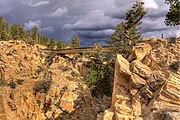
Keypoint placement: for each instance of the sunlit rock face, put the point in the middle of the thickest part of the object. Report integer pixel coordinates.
(147, 85)
(30, 89)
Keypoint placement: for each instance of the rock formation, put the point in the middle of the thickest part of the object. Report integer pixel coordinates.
(36, 86)
(30, 89)
(147, 86)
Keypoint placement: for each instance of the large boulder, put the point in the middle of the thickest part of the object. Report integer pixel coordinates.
(140, 69)
(140, 51)
(137, 81)
(123, 65)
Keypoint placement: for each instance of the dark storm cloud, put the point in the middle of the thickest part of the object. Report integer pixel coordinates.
(92, 20)
(153, 24)
(96, 34)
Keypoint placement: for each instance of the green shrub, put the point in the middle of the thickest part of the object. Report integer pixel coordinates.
(49, 58)
(69, 78)
(172, 40)
(65, 68)
(12, 85)
(98, 76)
(163, 63)
(175, 66)
(31, 42)
(2, 83)
(42, 86)
(74, 74)
(19, 81)
(16, 37)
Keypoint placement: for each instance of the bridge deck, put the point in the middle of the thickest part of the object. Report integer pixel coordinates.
(74, 51)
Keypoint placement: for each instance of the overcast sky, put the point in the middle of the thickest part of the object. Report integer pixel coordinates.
(92, 20)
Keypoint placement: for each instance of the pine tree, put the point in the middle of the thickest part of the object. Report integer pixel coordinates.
(52, 43)
(172, 17)
(13, 31)
(35, 34)
(128, 33)
(4, 33)
(17, 31)
(60, 45)
(21, 32)
(76, 42)
(45, 40)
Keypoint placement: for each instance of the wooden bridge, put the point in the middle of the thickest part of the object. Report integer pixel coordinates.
(75, 50)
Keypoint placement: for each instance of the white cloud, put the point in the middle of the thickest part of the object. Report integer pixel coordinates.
(49, 29)
(31, 24)
(59, 12)
(151, 4)
(38, 23)
(171, 32)
(40, 3)
(178, 32)
(155, 24)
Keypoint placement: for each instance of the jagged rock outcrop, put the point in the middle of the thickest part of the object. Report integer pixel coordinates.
(147, 86)
(30, 89)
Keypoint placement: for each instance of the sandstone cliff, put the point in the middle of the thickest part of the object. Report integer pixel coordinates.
(147, 85)
(30, 89)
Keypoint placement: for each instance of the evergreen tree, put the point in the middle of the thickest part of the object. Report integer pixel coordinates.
(45, 40)
(60, 45)
(28, 37)
(127, 34)
(17, 31)
(52, 43)
(98, 75)
(21, 32)
(35, 34)
(14, 31)
(172, 17)
(28, 34)
(76, 42)
(4, 33)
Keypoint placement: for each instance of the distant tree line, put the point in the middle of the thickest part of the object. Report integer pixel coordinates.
(33, 36)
